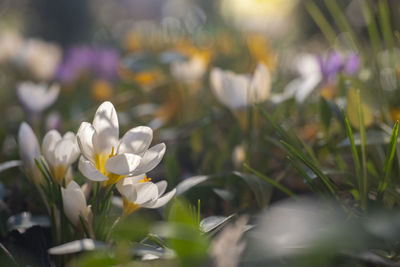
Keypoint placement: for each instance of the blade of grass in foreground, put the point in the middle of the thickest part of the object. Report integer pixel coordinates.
(371, 27)
(272, 182)
(384, 20)
(321, 21)
(363, 135)
(280, 130)
(387, 167)
(354, 151)
(295, 141)
(306, 177)
(342, 22)
(300, 156)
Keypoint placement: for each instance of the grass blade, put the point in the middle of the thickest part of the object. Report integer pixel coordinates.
(384, 20)
(354, 151)
(363, 135)
(391, 151)
(272, 182)
(306, 177)
(300, 156)
(342, 22)
(371, 27)
(321, 21)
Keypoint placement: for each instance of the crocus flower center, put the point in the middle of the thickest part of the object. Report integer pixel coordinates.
(129, 207)
(145, 179)
(100, 162)
(58, 173)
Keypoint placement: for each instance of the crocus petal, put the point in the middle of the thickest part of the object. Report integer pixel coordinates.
(162, 200)
(126, 187)
(231, 89)
(162, 186)
(84, 137)
(66, 152)
(260, 84)
(105, 123)
(150, 159)
(88, 170)
(69, 135)
(28, 146)
(36, 97)
(74, 202)
(137, 140)
(123, 164)
(51, 95)
(145, 192)
(49, 143)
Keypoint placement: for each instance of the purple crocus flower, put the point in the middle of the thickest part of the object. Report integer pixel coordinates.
(100, 62)
(352, 64)
(335, 63)
(331, 65)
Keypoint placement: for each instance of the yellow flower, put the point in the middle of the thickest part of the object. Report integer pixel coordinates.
(101, 90)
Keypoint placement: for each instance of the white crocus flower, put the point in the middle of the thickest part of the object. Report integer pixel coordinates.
(29, 150)
(189, 71)
(308, 68)
(60, 152)
(37, 97)
(10, 44)
(238, 91)
(138, 192)
(107, 159)
(74, 203)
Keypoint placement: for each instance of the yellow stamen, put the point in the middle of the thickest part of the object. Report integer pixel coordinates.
(145, 179)
(129, 207)
(100, 162)
(112, 153)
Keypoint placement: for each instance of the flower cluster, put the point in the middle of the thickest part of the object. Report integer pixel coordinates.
(104, 158)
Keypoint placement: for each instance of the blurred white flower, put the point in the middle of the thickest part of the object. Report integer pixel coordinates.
(41, 58)
(189, 71)
(106, 158)
(308, 68)
(29, 150)
(60, 153)
(74, 203)
(270, 16)
(37, 97)
(238, 91)
(138, 192)
(10, 45)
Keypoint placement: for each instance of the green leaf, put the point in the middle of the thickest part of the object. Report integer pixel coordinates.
(260, 188)
(306, 177)
(371, 26)
(272, 182)
(391, 151)
(300, 156)
(342, 22)
(361, 120)
(354, 151)
(325, 113)
(321, 21)
(384, 19)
